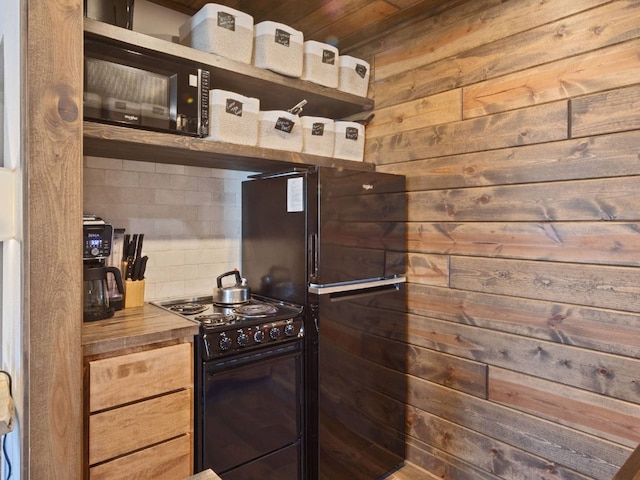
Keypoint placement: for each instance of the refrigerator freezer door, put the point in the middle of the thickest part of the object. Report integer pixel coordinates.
(360, 225)
(274, 223)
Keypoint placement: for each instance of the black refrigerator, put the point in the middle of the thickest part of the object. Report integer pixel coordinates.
(334, 240)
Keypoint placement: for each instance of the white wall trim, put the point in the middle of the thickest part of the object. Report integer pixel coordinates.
(7, 204)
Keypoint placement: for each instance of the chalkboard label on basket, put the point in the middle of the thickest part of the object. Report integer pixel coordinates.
(361, 70)
(284, 125)
(226, 20)
(283, 38)
(351, 133)
(317, 129)
(328, 57)
(234, 107)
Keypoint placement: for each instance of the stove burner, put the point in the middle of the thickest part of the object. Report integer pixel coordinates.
(214, 318)
(255, 311)
(188, 308)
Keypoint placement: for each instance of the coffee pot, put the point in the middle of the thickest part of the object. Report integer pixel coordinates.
(96, 300)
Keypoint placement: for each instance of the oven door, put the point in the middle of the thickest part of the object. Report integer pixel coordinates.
(252, 414)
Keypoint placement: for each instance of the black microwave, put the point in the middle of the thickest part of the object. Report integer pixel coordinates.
(134, 87)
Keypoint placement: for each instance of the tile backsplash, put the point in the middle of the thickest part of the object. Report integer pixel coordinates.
(191, 218)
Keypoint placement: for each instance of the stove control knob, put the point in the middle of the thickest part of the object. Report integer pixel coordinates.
(225, 343)
(258, 336)
(274, 333)
(290, 330)
(243, 339)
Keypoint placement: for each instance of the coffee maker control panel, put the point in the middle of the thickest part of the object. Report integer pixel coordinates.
(97, 236)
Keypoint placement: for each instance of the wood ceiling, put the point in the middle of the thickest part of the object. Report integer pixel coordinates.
(344, 23)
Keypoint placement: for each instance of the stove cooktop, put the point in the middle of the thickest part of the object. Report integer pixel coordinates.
(210, 315)
(233, 329)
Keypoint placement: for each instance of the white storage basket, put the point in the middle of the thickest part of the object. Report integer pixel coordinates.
(233, 118)
(280, 130)
(220, 30)
(320, 63)
(278, 47)
(318, 136)
(354, 75)
(349, 144)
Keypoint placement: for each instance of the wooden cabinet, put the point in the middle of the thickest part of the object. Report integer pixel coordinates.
(140, 413)
(276, 92)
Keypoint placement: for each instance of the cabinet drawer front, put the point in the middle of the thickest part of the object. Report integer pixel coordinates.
(169, 460)
(123, 430)
(127, 378)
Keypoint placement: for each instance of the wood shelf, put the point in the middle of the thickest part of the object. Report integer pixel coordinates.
(276, 92)
(102, 140)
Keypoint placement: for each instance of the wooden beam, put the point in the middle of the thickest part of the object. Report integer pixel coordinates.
(53, 264)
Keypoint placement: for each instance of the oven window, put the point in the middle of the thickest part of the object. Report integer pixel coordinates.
(252, 408)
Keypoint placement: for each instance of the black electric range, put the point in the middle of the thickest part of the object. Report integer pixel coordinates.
(248, 382)
(229, 329)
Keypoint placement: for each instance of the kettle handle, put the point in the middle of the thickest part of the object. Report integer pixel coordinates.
(232, 272)
(118, 276)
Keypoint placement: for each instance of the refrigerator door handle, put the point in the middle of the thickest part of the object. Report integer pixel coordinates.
(313, 256)
(284, 173)
(366, 292)
(358, 288)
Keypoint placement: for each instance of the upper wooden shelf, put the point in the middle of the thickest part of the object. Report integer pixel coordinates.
(101, 140)
(275, 92)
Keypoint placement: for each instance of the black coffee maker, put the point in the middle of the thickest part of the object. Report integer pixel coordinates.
(97, 240)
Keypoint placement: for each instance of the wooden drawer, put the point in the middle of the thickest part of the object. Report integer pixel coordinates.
(128, 378)
(122, 430)
(169, 460)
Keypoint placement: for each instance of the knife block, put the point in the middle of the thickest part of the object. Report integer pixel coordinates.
(133, 293)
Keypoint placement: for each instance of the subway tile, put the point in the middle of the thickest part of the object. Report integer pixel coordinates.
(169, 226)
(93, 176)
(211, 213)
(139, 225)
(104, 163)
(167, 290)
(199, 171)
(198, 228)
(171, 258)
(195, 257)
(135, 166)
(211, 184)
(184, 182)
(197, 198)
(169, 168)
(169, 197)
(154, 211)
(120, 178)
(155, 180)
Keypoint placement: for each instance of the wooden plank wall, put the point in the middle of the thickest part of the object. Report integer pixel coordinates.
(517, 123)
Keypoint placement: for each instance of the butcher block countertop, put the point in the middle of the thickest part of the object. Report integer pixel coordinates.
(135, 327)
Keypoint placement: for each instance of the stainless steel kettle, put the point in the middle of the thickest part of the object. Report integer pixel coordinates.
(233, 294)
(96, 304)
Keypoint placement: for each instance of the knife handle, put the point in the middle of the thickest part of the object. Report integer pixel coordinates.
(143, 267)
(129, 270)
